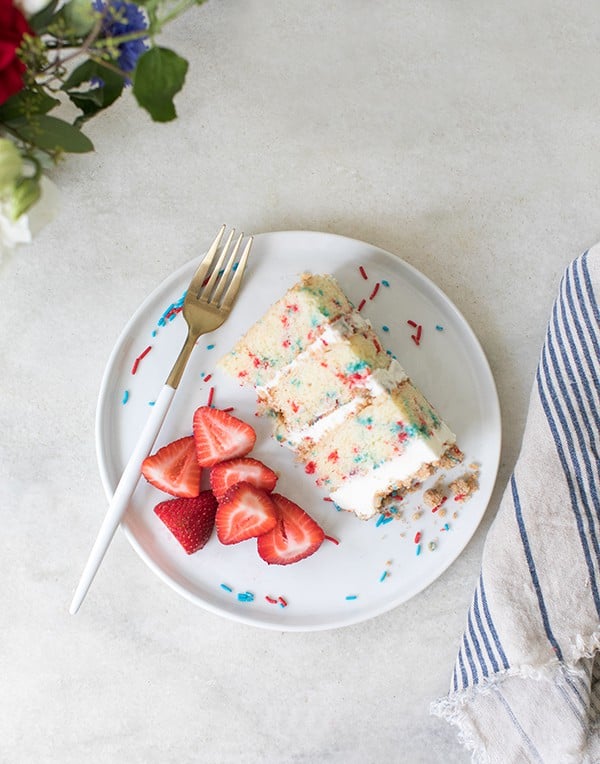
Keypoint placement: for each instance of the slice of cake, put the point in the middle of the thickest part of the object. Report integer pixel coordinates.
(338, 399)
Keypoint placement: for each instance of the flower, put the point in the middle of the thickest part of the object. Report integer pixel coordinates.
(13, 26)
(121, 18)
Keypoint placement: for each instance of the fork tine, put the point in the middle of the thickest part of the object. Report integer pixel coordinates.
(206, 292)
(234, 286)
(227, 271)
(198, 278)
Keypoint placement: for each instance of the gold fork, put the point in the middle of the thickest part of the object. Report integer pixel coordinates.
(208, 301)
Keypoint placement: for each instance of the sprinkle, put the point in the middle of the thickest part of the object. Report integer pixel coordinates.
(383, 520)
(210, 347)
(333, 541)
(207, 378)
(361, 304)
(384, 575)
(170, 313)
(154, 332)
(271, 600)
(352, 596)
(245, 597)
(446, 527)
(417, 537)
(282, 601)
(211, 395)
(151, 403)
(438, 506)
(439, 328)
(412, 323)
(385, 282)
(374, 292)
(418, 550)
(327, 498)
(228, 409)
(136, 363)
(385, 328)
(227, 588)
(363, 273)
(125, 397)
(419, 330)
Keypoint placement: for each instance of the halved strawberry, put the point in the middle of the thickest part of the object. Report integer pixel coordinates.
(244, 512)
(174, 468)
(243, 469)
(190, 520)
(220, 436)
(295, 536)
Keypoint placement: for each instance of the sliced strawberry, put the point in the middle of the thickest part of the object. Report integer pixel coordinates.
(174, 468)
(244, 512)
(295, 536)
(243, 469)
(190, 520)
(220, 436)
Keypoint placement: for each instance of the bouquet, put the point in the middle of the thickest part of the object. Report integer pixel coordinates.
(76, 56)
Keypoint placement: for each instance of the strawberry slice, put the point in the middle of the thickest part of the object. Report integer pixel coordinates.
(174, 468)
(190, 520)
(220, 436)
(244, 512)
(243, 469)
(295, 536)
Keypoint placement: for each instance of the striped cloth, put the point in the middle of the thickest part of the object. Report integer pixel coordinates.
(526, 685)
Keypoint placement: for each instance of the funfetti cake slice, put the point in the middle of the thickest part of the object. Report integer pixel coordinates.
(346, 407)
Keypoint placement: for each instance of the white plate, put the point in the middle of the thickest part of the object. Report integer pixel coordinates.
(375, 566)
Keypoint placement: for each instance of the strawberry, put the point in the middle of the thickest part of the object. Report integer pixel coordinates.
(295, 536)
(220, 436)
(174, 468)
(225, 474)
(190, 520)
(244, 512)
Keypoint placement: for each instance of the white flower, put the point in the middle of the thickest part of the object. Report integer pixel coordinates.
(29, 7)
(24, 228)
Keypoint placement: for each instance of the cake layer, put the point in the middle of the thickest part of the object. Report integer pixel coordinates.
(287, 329)
(338, 367)
(377, 449)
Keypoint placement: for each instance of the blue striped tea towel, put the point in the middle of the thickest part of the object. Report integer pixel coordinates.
(526, 685)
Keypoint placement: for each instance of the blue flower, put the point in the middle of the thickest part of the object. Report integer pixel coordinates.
(123, 18)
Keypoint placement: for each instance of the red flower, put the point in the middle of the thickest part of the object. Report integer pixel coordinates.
(13, 26)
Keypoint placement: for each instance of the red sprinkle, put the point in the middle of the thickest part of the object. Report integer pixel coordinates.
(361, 304)
(415, 339)
(333, 541)
(375, 290)
(412, 323)
(228, 409)
(437, 506)
(327, 498)
(310, 468)
(417, 537)
(211, 395)
(282, 602)
(272, 600)
(363, 273)
(419, 330)
(136, 363)
(207, 378)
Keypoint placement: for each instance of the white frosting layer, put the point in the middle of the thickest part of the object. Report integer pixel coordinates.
(362, 493)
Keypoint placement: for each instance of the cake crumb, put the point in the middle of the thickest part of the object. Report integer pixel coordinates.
(433, 497)
(464, 487)
(451, 458)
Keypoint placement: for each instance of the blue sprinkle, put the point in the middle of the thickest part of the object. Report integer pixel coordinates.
(446, 527)
(439, 328)
(125, 397)
(383, 520)
(383, 575)
(418, 550)
(245, 597)
(154, 332)
(337, 506)
(385, 283)
(234, 269)
(385, 328)
(351, 596)
(151, 403)
(209, 347)
(227, 588)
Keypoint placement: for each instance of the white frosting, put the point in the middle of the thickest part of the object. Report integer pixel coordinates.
(361, 493)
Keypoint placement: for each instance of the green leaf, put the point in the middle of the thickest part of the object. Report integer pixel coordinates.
(41, 20)
(158, 77)
(52, 134)
(27, 103)
(91, 101)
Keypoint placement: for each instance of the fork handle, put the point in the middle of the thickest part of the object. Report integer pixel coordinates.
(123, 493)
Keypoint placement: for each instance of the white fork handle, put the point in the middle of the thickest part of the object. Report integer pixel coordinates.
(123, 493)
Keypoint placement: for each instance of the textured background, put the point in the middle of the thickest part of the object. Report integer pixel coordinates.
(462, 137)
